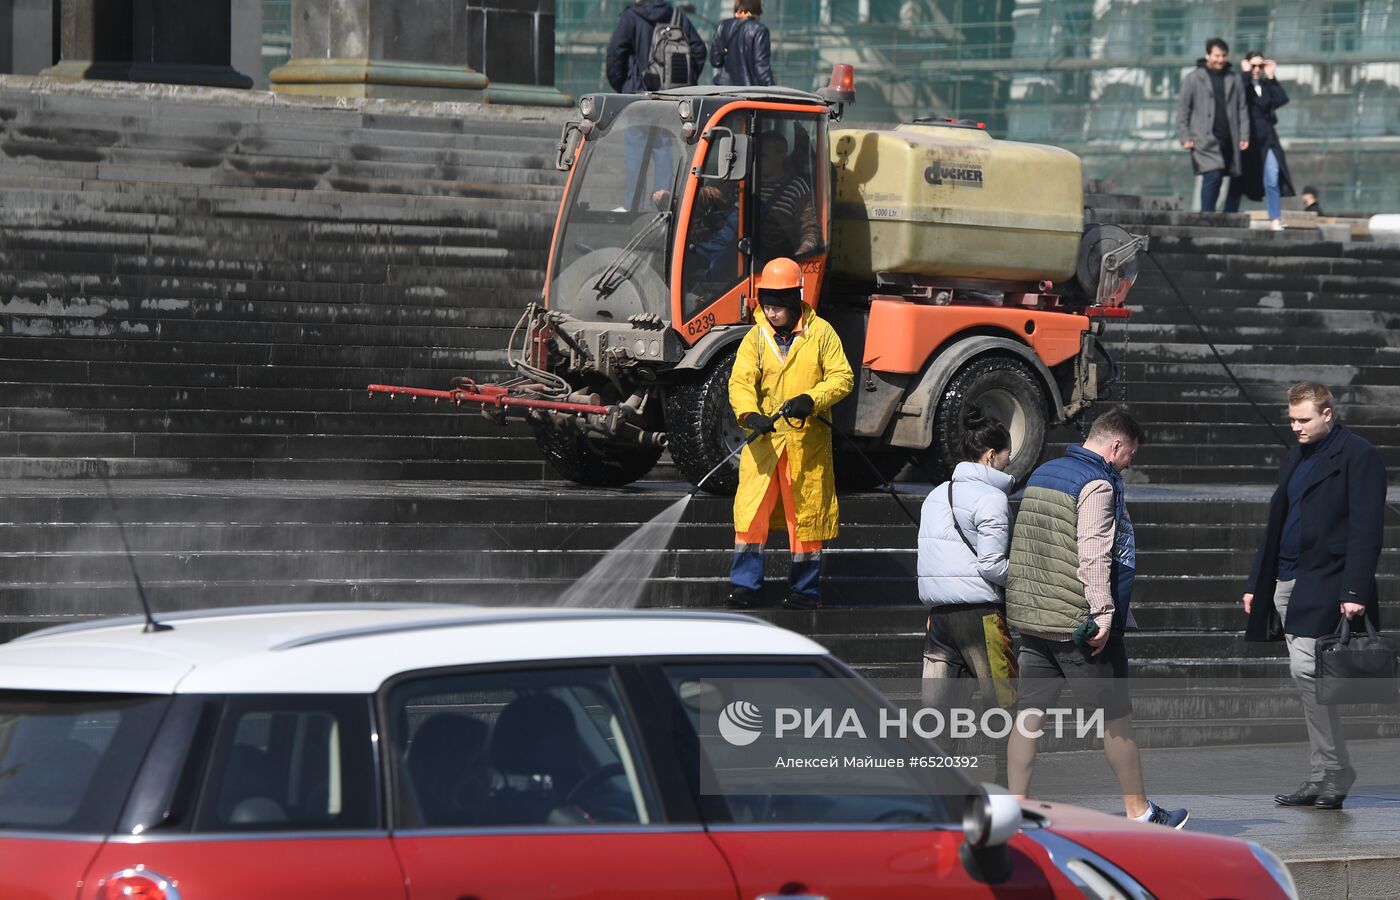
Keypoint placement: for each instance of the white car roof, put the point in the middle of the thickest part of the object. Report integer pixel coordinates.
(354, 648)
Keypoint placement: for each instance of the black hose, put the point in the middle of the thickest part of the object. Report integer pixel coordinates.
(1264, 417)
(884, 483)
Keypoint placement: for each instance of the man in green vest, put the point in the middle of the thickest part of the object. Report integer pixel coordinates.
(1073, 555)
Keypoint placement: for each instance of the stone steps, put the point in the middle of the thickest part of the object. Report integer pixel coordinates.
(222, 543)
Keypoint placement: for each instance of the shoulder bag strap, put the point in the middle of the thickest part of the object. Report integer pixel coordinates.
(954, 513)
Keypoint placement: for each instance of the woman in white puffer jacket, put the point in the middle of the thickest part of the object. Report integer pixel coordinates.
(963, 548)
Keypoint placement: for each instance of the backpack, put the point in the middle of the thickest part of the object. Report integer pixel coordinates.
(669, 64)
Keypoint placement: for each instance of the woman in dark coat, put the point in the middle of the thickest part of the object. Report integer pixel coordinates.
(741, 52)
(1266, 174)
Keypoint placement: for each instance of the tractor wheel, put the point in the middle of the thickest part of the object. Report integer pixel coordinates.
(582, 461)
(701, 428)
(1004, 389)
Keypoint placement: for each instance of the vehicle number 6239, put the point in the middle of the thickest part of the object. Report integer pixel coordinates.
(700, 324)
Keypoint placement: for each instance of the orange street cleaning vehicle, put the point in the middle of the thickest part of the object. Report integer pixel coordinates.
(957, 268)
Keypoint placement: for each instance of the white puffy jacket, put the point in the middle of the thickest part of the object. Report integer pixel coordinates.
(949, 573)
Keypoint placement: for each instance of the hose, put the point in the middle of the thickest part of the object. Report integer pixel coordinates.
(1264, 417)
(883, 482)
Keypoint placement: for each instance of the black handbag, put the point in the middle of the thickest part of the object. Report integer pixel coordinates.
(1356, 669)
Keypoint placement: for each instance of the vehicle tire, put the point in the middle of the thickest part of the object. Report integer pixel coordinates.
(701, 429)
(1002, 388)
(582, 461)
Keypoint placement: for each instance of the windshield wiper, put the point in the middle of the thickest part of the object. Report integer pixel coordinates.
(606, 283)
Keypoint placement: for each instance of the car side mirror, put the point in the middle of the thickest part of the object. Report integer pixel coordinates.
(990, 821)
(569, 141)
(727, 158)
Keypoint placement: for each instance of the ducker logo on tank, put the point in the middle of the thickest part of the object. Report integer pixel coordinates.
(969, 174)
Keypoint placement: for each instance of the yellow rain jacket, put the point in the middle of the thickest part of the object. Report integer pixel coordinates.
(762, 381)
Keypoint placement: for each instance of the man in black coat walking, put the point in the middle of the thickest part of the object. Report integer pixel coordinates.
(742, 52)
(629, 51)
(1265, 168)
(1317, 563)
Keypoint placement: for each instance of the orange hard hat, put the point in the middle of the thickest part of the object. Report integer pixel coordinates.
(781, 274)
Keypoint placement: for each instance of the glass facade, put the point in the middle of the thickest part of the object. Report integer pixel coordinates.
(1099, 77)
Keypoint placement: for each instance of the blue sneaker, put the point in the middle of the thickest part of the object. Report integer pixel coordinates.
(1172, 818)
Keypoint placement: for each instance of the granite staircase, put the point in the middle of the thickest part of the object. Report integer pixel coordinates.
(196, 282)
(238, 542)
(199, 283)
(1280, 307)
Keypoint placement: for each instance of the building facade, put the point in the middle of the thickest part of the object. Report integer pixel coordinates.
(1099, 77)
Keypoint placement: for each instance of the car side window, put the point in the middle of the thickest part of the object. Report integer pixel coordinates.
(544, 747)
(738, 777)
(291, 763)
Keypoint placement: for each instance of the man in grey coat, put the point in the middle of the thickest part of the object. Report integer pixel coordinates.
(1211, 120)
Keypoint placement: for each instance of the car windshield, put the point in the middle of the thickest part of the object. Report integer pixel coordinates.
(67, 760)
(611, 255)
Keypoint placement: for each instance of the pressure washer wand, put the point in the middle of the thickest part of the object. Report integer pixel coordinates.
(753, 436)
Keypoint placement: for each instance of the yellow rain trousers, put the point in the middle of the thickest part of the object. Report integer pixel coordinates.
(762, 381)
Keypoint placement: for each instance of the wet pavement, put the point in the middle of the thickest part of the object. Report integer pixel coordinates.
(1352, 852)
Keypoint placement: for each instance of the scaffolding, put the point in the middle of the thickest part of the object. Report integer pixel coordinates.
(1099, 77)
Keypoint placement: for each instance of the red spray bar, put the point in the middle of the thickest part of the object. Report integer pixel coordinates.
(490, 395)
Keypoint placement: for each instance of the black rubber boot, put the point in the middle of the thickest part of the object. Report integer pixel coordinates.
(743, 598)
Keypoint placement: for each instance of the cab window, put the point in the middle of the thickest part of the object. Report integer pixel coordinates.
(790, 194)
(713, 264)
(291, 763)
(548, 747)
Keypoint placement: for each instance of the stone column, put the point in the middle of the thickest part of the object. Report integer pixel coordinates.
(418, 50)
(515, 43)
(165, 41)
(405, 49)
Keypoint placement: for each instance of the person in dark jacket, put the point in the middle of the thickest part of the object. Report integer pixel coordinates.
(1317, 563)
(1265, 175)
(1310, 201)
(741, 52)
(629, 51)
(1211, 121)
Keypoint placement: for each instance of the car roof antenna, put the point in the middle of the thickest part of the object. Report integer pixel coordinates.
(151, 623)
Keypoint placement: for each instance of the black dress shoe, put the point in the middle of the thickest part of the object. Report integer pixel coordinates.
(1306, 795)
(1334, 789)
(744, 598)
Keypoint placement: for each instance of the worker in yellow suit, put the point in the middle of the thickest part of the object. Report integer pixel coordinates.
(790, 369)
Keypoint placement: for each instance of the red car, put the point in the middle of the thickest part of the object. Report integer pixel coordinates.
(444, 753)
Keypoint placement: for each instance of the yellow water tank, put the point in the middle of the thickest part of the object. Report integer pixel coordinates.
(948, 199)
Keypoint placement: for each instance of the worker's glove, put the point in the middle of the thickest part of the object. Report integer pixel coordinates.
(758, 423)
(799, 407)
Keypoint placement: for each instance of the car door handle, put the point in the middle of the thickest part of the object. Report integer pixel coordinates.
(791, 897)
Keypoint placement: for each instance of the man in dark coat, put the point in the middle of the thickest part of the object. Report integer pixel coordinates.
(741, 52)
(1266, 174)
(1317, 563)
(629, 51)
(1211, 120)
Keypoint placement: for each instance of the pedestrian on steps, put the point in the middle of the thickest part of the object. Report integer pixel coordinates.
(790, 371)
(1317, 563)
(1073, 560)
(1265, 168)
(741, 52)
(1211, 121)
(964, 538)
(629, 50)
